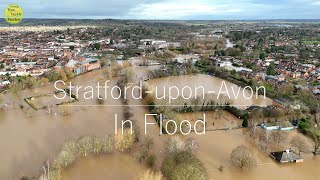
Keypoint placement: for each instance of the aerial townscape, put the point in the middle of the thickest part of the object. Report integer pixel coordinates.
(159, 99)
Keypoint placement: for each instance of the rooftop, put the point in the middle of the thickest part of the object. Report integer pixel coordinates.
(283, 124)
(286, 156)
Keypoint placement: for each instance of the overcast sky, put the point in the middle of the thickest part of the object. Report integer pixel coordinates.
(169, 9)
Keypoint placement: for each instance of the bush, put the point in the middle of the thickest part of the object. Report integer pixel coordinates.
(183, 165)
(147, 142)
(142, 155)
(65, 158)
(303, 126)
(70, 146)
(151, 160)
(188, 171)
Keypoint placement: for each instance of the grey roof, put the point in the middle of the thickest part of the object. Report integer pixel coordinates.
(286, 156)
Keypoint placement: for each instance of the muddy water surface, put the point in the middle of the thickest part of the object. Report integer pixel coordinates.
(209, 83)
(115, 166)
(29, 138)
(215, 149)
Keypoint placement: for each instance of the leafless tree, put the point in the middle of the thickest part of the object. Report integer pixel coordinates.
(253, 129)
(85, 145)
(50, 173)
(298, 143)
(108, 143)
(125, 141)
(279, 136)
(192, 145)
(242, 158)
(264, 140)
(314, 134)
(148, 142)
(174, 144)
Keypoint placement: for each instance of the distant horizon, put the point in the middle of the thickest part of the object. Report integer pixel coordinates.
(126, 19)
(169, 9)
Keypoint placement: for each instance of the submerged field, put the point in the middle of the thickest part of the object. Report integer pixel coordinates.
(36, 136)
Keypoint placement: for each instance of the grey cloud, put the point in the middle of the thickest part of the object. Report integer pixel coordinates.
(250, 9)
(75, 8)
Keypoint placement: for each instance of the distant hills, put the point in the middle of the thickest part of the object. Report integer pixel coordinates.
(74, 22)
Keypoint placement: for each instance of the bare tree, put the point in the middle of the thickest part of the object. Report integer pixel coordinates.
(317, 114)
(242, 158)
(279, 136)
(65, 158)
(253, 129)
(148, 142)
(192, 145)
(264, 140)
(125, 141)
(50, 173)
(174, 144)
(108, 143)
(314, 134)
(85, 145)
(136, 129)
(298, 143)
(97, 145)
(1, 100)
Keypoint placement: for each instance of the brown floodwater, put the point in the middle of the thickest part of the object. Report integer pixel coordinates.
(115, 166)
(215, 149)
(30, 138)
(211, 85)
(219, 119)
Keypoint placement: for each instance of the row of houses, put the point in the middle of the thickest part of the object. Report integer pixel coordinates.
(157, 44)
(83, 65)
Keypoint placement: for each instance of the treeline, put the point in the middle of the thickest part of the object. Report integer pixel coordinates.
(85, 146)
(173, 69)
(19, 83)
(284, 90)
